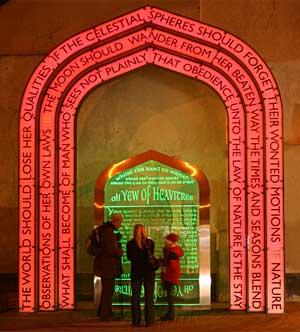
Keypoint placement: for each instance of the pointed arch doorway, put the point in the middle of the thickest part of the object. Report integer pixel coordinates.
(47, 153)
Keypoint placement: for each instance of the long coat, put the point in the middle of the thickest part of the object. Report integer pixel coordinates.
(139, 259)
(171, 262)
(107, 265)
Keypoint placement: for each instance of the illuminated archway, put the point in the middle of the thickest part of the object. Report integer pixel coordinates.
(52, 97)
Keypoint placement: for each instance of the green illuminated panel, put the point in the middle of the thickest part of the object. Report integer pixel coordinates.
(165, 200)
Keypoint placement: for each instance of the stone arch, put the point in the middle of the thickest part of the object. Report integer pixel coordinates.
(46, 152)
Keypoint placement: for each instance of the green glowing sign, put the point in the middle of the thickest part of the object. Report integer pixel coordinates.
(165, 200)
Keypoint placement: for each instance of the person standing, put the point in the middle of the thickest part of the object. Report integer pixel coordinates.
(171, 271)
(141, 273)
(107, 264)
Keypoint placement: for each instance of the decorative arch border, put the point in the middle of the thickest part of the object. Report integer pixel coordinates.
(183, 166)
(51, 99)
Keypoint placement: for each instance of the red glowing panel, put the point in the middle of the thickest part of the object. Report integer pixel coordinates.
(124, 65)
(204, 73)
(274, 205)
(255, 180)
(228, 94)
(96, 55)
(66, 75)
(47, 203)
(275, 280)
(27, 156)
(237, 203)
(183, 25)
(256, 294)
(99, 33)
(110, 50)
(27, 178)
(217, 37)
(255, 198)
(267, 85)
(66, 170)
(66, 204)
(120, 24)
(237, 155)
(274, 180)
(66, 256)
(258, 69)
(182, 45)
(255, 204)
(255, 155)
(237, 252)
(255, 167)
(27, 263)
(231, 68)
(72, 46)
(236, 47)
(27, 292)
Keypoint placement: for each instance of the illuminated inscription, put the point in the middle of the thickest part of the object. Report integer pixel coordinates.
(236, 134)
(255, 156)
(93, 56)
(165, 200)
(66, 211)
(27, 130)
(267, 85)
(193, 28)
(201, 72)
(182, 45)
(255, 196)
(270, 103)
(26, 261)
(119, 67)
(256, 264)
(275, 236)
(237, 207)
(27, 203)
(273, 118)
(255, 181)
(47, 205)
(74, 45)
(119, 25)
(66, 202)
(66, 177)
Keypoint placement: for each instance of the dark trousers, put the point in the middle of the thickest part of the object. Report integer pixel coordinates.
(107, 292)
(170, 298)
(136, 286)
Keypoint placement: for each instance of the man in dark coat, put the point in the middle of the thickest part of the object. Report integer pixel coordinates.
(107, 264)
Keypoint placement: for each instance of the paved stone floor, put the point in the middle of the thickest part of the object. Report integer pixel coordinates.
(216, 320)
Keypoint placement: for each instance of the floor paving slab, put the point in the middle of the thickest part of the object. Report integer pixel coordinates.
(216, 320)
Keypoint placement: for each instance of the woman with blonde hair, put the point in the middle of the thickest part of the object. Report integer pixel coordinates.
(137, 252)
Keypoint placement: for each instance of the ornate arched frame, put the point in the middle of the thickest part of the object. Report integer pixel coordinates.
(185, 167)
(47, 150)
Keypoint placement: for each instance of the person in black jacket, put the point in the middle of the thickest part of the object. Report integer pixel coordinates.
(141, 272)
(107, 264)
